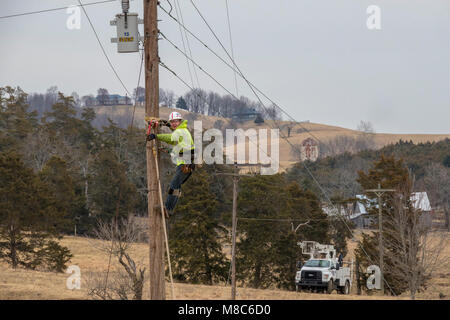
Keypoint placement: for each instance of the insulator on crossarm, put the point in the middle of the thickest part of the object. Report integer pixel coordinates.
(125, 6)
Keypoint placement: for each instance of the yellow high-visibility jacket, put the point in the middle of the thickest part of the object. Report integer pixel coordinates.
(180, 138)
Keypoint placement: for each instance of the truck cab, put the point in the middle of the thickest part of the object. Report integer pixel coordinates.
(316, 274)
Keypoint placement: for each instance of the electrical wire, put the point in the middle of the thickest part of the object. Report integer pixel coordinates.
(231, 45)
(137, 87)
(103, 49)
(54, 9)
(182, 41)
(187, 42)
(286, 139)
(198, 66)
(238, 72)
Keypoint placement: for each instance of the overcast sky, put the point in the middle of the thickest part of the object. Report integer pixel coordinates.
(317, 59)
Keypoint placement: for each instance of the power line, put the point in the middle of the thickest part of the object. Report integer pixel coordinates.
(103, 49)
(262, 104)
(187, 41)
(231, 45)
(198, 95)
(90, 22)
(54, 9)
(309, 172)
(198, 66)
(182, 41)
(137, 87)
(237, 71)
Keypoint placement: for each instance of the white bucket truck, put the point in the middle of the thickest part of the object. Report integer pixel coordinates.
(323, 272)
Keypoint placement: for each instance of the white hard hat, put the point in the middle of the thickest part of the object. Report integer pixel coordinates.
(175, 115)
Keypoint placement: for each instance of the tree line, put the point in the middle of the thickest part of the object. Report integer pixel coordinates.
(63, 172)
(196, 101)
(94, 175)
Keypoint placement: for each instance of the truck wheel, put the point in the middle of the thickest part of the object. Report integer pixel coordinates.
(346, 289)
(330, 287)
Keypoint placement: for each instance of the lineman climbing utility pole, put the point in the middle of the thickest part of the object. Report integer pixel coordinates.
(156, 239)
(379, 193)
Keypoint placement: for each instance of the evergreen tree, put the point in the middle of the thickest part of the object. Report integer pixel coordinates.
(261, 201)
(389, 173)
(195, 234)
(181, 104)
(56, 175)
(62, 121)
(29, 218)
(112, 193)
(15, 120)
(274, 217)
(308, 223)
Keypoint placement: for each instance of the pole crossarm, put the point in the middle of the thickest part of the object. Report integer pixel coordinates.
(379, 192)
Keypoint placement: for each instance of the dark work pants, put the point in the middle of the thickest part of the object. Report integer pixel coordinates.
(178, 179)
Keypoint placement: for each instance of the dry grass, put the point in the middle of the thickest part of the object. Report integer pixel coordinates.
(26, 284)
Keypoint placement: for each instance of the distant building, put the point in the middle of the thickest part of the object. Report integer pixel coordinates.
(357, 213)
(421, 202)
(113, 100)
(309, 150)
(246, 116)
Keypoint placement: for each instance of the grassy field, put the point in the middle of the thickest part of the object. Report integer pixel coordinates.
(26, 284)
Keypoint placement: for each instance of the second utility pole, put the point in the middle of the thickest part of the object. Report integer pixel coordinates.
(235, 176)
(156, 234)
(379, 193)
(233, 235)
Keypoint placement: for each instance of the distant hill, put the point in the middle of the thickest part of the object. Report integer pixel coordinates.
(325, 133)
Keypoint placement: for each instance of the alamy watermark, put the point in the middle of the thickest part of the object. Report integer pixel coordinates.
(374, 19)
(262, 146)
(374, 280)
(73, 22)
(74, 280)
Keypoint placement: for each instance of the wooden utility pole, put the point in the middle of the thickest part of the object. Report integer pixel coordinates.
(233, 236)
(156, 235)
(235, 176)
(379, 192)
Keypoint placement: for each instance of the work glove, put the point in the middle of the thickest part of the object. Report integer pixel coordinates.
(165, 123)
(151, 136)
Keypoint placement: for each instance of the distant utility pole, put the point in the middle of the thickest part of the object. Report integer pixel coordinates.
(236, 175)
(156, 239)
(379, 193)
(233, 237)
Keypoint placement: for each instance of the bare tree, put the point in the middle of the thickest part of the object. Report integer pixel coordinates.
(76, 99)
(366, 137)
(39, 149)
(271, 113)
(338, 145)
(139, 95)
(415, 252)
(365, 127)
(195, 100)
(437, 184)
(102, 96)
(118, 239)
(170, 98)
